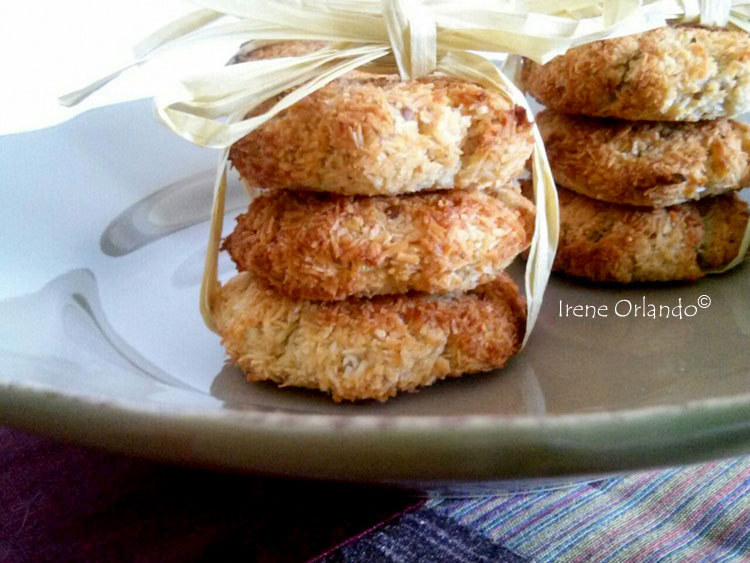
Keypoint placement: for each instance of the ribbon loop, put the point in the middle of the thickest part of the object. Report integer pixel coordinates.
(691, 10)
(413, 36)
(715, 12)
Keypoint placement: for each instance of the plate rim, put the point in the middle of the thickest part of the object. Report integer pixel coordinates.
(399, 448)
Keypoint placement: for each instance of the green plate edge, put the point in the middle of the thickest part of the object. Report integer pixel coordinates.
(387, 449)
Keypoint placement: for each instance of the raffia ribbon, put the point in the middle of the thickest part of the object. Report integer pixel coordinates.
(412, 33)
(715, 12)
(413, 36)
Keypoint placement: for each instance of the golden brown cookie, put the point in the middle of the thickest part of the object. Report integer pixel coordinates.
(668, 74)
(251, 51)
(368, 348)
(325, 246)
(382, 136)
(256, 50)
(607, 242)
(648, 163)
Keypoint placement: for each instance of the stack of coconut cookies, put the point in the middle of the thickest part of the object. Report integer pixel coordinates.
(373, 260)
(645, 155)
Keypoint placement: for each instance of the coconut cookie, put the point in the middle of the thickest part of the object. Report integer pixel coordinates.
(368, 135)
(251, 52)
(668, 74)
(368, 348)
(646, 163)
(607, 242)
(324, 246)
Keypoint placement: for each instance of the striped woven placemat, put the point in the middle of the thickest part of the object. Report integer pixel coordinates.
(696, 513)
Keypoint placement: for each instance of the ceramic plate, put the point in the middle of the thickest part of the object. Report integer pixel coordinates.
(104, 229)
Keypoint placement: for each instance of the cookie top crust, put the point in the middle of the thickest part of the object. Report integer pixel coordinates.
(361, 349)
(325, 246)
(607, 242)
(646, 163)
(376, 135)
(667, 74)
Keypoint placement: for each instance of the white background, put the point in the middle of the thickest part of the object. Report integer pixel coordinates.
(51, 47)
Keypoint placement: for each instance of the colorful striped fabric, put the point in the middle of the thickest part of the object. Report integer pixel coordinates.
(698, 513)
